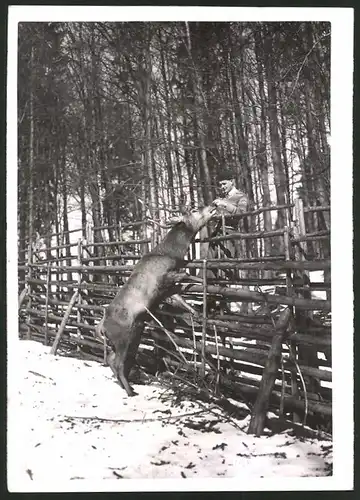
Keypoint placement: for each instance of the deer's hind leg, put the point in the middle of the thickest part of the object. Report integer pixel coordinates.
(133, 347)
(120, 338)
(117, 364)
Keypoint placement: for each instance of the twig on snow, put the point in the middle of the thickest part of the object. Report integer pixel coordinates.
(135, 420)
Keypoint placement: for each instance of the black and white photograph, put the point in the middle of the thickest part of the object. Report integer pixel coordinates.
(179, 242)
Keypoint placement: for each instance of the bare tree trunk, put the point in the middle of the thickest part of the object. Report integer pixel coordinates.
(261, 151)
(31, 177)
(66, 220)
(149, 166)
(262, 158)
(31, 152)
(319, 160)
(165, 138)
(279, 173)
(83, 208)
(284, 147)
(168, 126)
(188, 163)
(199, 102)
(177, 158)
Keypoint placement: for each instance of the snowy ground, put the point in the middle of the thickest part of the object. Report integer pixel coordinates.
(70, 424)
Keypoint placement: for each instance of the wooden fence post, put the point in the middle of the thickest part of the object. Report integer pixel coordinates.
(290, 292)
(306, 355)
(78, 315)
(203, 341)
(29, 278)
(269, 375)
(47, 303)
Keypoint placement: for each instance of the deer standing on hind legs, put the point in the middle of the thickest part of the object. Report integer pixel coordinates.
(148, 285)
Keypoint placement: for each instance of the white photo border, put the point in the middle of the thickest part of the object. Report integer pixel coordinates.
(342, 33)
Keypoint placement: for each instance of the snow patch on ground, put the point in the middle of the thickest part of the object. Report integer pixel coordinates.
(70, 422)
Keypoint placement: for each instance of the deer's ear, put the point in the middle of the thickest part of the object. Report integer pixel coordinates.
(174, 220)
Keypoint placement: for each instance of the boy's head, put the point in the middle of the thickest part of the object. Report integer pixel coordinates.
(226, 181)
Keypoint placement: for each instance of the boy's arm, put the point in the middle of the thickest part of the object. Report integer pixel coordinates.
(236, 204)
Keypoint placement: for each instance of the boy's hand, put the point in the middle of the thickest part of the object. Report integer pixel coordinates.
(220, 203)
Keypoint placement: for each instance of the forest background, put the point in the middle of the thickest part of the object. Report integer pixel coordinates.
(124, 121)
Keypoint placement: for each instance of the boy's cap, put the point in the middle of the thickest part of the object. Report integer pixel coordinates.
(226, 175)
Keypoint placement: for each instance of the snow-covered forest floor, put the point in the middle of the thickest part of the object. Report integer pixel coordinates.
(71, 422)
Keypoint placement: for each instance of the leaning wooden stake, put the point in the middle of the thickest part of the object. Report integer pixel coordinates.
(269, 375)
(63, 323)
(22, 296)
